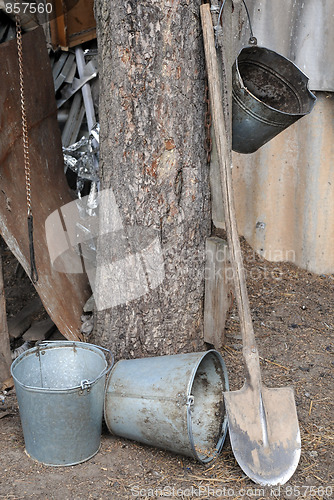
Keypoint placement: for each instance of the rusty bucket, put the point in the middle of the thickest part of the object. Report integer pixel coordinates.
(269, 93)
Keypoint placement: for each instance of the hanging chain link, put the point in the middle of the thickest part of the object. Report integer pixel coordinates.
(207, 123)
(24, 117)
(27, 171)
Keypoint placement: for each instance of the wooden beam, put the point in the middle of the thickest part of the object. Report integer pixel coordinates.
(58, 25)
(72, 23)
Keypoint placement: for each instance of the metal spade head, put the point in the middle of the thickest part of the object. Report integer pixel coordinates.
(264, 432)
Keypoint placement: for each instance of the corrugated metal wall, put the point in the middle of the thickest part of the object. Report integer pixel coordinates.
(285, 192)
(302, 31)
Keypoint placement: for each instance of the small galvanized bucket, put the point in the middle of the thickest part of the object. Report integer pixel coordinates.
(172, 402)
(60, 391)
(269, 93)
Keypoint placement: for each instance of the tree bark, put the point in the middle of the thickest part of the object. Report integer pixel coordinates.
(153, 160)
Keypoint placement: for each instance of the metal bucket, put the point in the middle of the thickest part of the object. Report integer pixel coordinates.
(269, 93)
(60, 391)
(172, 402)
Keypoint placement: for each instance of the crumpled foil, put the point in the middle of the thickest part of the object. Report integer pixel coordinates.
(82, 157)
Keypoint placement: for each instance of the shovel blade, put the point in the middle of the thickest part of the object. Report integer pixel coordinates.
(264, 433)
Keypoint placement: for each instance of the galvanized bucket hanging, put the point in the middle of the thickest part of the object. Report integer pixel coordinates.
(269, 93)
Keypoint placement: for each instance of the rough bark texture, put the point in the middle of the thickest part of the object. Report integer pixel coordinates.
(152, 157)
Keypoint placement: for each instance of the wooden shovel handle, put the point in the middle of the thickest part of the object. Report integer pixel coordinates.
(223, 142)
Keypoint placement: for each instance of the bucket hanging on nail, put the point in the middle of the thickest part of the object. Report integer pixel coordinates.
(269, 93)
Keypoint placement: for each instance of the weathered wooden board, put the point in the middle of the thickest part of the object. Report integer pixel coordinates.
(218, 289)
(217, 299)
(5, 357)
(230, 40)
(23, 319)
(72, 22)
(63, 295)
(40, 330)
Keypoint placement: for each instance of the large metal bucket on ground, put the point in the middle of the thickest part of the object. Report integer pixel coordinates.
(269, 93)
(172, 402)
(60, 390)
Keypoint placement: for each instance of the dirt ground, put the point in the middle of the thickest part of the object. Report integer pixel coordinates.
(293, 314)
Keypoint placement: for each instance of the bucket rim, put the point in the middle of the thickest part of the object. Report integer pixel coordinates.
(62, 465)
(221, 440)
(306, 79)
(46, 345)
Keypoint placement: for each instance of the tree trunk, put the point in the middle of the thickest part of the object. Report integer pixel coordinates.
(153, 162)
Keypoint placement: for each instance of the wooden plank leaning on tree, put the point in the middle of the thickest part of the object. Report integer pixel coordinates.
(218, 288)
(217, 299)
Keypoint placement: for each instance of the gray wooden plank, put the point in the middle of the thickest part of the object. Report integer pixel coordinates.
(40, 330)
(64, 72)
(229, 41)
(217, 298)
(74, 120)
(22, 321)
(57, 67)
(71, 74)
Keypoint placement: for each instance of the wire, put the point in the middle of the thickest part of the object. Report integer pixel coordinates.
(249, 21)
(220, 12)
(217, 26)
(252, 39)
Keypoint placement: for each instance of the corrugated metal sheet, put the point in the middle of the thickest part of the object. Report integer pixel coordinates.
(302, 31)
(285, 192)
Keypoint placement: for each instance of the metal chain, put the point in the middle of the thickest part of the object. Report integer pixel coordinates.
(24, 117)
(27, 171)
(207, 123)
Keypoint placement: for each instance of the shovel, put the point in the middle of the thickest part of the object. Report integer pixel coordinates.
(263, 423)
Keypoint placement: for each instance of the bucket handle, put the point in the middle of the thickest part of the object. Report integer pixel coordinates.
(252, 39)
(86, 384)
